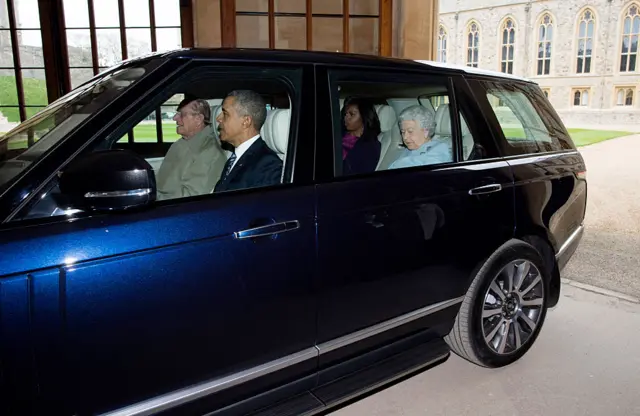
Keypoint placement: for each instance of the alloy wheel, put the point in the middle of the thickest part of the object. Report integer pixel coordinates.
(512, 307)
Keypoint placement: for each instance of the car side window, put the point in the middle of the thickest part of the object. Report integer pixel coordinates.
(158, 126)
(527, 123)
(208, 133)
(381, 125)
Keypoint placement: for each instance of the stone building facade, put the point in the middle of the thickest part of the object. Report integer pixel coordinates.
(583, 53)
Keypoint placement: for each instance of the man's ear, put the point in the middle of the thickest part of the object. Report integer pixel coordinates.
(246, 123)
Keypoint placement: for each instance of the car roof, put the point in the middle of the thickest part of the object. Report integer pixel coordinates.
(475, 71)
(328, 58)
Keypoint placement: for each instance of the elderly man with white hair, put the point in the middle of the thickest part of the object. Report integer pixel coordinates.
(417, 126)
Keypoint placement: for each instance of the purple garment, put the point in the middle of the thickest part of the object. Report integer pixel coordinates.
(364, 156)
(348, 142)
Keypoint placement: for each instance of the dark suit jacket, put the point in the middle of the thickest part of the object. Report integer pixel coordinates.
(258, 166)
(363, 158)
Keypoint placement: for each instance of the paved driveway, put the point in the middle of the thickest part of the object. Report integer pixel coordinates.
(609, 255)
(585, 362)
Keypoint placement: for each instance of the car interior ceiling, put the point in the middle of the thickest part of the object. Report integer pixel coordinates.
(273, 91)
(391, 91)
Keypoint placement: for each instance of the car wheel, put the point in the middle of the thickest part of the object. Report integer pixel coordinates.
(504, 308)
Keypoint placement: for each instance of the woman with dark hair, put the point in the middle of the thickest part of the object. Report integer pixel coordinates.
(360, 130)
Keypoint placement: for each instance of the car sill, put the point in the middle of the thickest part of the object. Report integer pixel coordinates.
(385, 326)
(189, 394)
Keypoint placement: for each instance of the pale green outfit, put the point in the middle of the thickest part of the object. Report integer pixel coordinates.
(191, 166)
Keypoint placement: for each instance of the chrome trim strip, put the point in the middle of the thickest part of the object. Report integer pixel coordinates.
(118, 194)
(570, 241)
(176, 398)
(385, 326)
(267, 230)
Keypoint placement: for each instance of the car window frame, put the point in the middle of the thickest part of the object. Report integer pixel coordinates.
(137, 109)
(400, 76)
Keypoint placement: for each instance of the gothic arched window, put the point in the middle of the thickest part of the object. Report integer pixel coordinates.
(545, 38)
(586, 28)
(508, 46)
(630, 34)
(473, 44)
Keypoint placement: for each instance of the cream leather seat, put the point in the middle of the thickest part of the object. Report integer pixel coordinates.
(387, 117)
(275, 133)
(215, 112)
(444, 130)
(392, 141)
(388, 123)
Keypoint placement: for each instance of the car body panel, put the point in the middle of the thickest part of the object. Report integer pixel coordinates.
(201, 310)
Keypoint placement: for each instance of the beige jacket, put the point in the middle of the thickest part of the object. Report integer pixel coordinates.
(191, 167)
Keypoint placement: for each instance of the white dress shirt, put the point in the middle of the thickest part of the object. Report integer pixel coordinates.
(240, 150)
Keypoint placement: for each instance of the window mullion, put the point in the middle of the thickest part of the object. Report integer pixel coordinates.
(15, 49)
(123, 29)
(345, 26)
(152, 25)
(94, 39)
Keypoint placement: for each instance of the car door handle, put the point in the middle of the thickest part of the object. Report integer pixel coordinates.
(267, 230)
(486, 189)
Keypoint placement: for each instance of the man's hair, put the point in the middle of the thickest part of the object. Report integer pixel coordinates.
(199, 106)
(249, 103)
(421, 115)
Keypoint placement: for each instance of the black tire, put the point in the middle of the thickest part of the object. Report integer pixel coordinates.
(467, 339)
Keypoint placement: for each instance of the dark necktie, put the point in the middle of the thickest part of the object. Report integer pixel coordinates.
(227, 168)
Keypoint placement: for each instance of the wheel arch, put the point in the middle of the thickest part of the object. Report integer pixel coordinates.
(539, 240)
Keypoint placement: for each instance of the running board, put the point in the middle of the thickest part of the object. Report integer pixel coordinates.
(361, 383)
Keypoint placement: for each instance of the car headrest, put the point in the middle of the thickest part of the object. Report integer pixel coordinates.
(275, 130)
(387, 117)
(215, 112)
(465, 128)
(443, 120)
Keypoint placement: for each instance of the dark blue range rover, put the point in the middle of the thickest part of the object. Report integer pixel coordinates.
(233, 232)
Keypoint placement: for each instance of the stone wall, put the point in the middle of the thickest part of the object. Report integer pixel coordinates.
(605, 73)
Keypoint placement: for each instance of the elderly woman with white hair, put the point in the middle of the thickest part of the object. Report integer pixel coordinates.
(417, 126)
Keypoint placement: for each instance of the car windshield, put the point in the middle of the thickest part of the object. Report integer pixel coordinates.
(32, 139)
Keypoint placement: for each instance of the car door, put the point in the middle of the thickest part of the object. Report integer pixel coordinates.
(397, 247)
(550, 190)
(208, 297)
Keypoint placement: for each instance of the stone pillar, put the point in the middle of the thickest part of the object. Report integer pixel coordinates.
(416, 27)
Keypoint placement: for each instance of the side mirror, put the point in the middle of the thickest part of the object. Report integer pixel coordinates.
(109, 180)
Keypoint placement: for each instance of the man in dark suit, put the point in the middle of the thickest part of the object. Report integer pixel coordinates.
(253, 163)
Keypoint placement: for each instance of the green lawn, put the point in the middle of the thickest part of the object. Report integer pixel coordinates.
(146, 133)
(581, 137)
(35, 93)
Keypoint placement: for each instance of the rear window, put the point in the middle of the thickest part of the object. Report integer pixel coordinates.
(529, 123)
